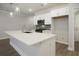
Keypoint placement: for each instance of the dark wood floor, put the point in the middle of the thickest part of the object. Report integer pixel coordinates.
(6, 49)
(61, 49)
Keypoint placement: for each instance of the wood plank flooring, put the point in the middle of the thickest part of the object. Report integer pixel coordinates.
(6, 49)
(61, 50)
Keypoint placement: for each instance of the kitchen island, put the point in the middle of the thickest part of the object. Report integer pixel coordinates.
(32, 44)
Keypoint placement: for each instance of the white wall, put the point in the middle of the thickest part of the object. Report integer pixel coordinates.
(76, 35)
(71, 28)
(77, 27)
(12, 23)
(76, 22)
(72, 10)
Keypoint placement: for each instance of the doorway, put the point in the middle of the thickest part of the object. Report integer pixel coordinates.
(61, 28)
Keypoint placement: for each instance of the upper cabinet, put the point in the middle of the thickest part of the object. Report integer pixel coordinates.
(48, 16)
(45, 17)
(60, 12)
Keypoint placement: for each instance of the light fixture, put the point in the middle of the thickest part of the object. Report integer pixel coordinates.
(30, 10)
(17, 9)
(11, 13)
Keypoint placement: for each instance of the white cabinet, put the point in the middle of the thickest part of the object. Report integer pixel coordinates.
(48, 20)
(45, 17)
(60, 12)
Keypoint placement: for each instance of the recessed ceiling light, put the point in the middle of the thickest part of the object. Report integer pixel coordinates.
(30, 10)
(17, 9)
(11, 13)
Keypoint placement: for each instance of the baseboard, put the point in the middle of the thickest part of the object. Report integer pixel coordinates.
(70, 49)
(1, 38)
(62, 42)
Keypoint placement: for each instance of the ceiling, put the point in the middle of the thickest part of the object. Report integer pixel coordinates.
(24, 7)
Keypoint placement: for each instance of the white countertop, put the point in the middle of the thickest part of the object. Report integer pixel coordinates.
(30, 38)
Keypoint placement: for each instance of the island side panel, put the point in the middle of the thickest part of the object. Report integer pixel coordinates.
(47, 47)
(24, 49)
(44, 48)
(17, 46)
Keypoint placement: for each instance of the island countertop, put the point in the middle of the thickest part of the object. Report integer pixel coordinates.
(30, 38)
